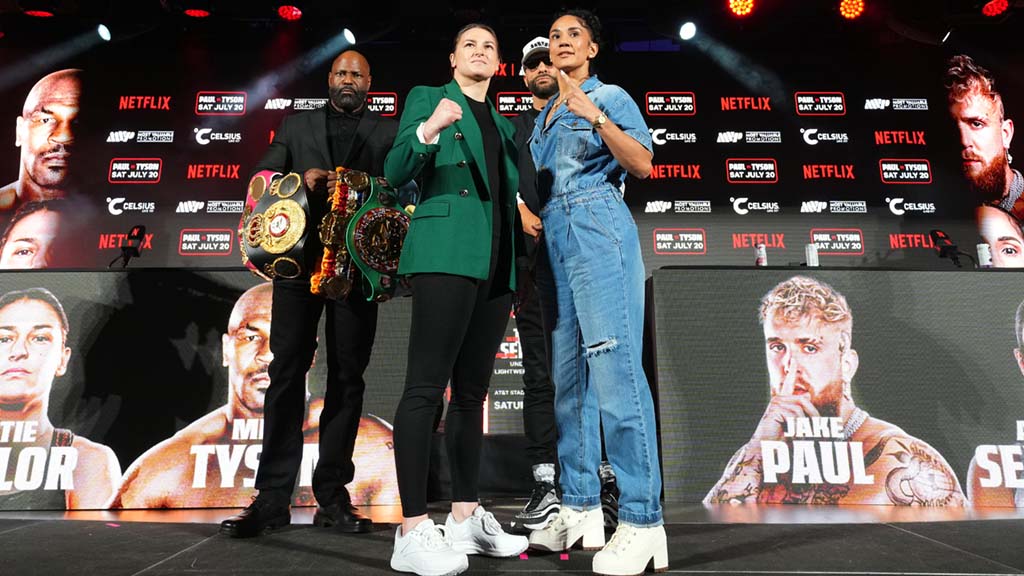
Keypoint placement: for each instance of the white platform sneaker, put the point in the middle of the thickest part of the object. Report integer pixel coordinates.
(568, 528)
(630, 550)
(427, 551)
(482, 534)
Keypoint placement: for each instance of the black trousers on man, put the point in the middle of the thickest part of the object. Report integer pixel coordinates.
(350, 329)
(538, 390)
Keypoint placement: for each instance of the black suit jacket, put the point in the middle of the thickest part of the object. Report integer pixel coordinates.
(300, 143)
(526, 246)
(524, 123)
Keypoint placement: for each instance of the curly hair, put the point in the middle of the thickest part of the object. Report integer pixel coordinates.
(965, 78)
(800, 297)
(587, 18)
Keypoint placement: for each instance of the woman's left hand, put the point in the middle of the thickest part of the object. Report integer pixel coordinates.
(575, 99)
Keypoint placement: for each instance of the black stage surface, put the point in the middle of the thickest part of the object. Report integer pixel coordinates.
(732, 540)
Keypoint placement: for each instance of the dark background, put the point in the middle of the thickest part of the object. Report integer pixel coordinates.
(892, 51)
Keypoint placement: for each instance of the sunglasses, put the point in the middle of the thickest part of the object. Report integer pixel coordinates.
(534, 62)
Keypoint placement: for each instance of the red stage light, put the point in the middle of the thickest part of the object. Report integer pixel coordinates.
(851, 8)
(741, 7)
(995, 7)
(39, 13)
(289, 13)
(197, 13)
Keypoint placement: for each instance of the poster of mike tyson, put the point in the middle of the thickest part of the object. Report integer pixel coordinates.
(859, 151)
(841, 387)
(103, 406)
(146, 389)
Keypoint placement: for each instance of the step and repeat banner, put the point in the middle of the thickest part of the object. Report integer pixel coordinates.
(854, 150)
(841, 387)
(149, 394)
(145, 389)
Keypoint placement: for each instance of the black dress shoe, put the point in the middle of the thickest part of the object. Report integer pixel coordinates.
(343, 517)
(263, 515)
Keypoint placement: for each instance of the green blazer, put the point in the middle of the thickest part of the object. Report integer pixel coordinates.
(451, 228)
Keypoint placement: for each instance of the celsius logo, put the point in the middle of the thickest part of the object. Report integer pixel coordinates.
(657, 207)
(813, 137)
(661, 136)
(278, 104)
(118, 206)
(113, 206)
(898, 207)
(189, 206)
(738, 205)
(206, 135)
(743, 206)
(894, 206)
(121, 136)
(813, 207)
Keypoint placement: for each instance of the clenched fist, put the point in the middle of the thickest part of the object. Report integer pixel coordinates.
(445, 114)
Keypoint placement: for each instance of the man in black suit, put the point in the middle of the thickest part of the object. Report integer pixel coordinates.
(343, 133)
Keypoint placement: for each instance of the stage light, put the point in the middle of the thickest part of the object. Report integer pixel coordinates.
(104, 32)
(39, 8)
(197, 13)
(994, 8)
(741, 7)
(349, 36)
(851, 9)
(289, 12)
(688, 31)
(946, 37)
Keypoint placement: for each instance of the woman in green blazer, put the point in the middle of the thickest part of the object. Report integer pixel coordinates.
(459, 257)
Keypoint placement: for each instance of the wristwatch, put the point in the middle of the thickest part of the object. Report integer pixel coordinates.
(599, 121)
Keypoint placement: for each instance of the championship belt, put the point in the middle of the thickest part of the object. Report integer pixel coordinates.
(272, 233)
(363, 231)
(375, 236)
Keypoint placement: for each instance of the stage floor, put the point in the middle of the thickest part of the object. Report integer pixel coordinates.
(728, 540)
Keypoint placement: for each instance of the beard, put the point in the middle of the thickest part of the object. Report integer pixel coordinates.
(544, 92)
(989, 185)
(827, 401)
(347, 101)
(47, 175)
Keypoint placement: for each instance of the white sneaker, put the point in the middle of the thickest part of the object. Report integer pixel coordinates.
(568, 528)
(427, 551)
(482, 534)
(630, 550)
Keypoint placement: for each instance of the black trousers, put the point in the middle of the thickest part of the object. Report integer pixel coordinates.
(351, 326)
(457, 326)
(538, 390)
